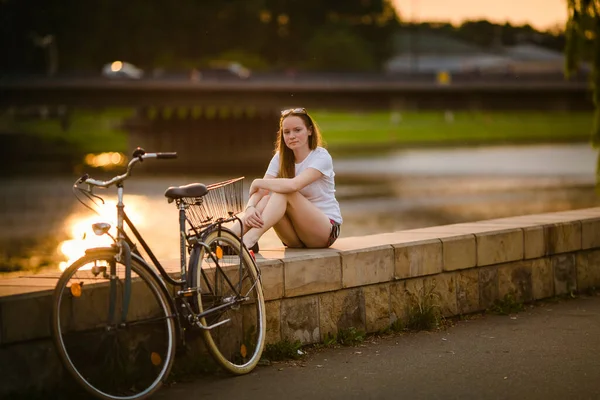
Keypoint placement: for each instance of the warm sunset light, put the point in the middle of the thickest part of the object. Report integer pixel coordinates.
(541, 14)
(105, 160)
(82, 235)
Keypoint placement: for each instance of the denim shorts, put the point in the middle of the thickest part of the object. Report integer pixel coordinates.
(335, 232)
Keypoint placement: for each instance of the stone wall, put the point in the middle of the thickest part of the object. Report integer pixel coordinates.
(361, 282)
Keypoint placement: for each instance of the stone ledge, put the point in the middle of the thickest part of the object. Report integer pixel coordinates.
(366, 283)
(564, 243)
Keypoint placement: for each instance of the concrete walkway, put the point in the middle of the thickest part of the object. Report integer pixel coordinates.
(550, 351)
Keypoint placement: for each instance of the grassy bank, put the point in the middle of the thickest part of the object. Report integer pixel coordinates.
(97, 131)
(88, 130)
(418, 128)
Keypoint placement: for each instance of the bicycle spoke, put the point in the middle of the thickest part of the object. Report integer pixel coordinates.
(236, 344)
(110, 356)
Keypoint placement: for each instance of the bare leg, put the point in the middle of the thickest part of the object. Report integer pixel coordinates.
(260, 206)
(310, 224)
(273, 212)
(286, 232)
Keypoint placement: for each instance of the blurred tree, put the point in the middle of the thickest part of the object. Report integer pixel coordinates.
(338, 50)
(152, 32)
(481, 32)
(583, 43)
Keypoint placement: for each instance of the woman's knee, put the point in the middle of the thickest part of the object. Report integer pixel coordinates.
(264, 200)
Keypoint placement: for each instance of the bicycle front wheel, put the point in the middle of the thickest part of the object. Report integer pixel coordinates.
(116, 340)
(232, 300)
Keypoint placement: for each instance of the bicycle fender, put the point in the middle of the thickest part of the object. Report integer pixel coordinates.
(127, 256)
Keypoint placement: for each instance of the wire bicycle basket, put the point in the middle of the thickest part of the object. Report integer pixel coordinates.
(223, 200)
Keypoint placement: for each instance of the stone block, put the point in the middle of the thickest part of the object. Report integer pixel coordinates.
(312, 274)
(30, 368)
(445, 286)
(516, 278)
(588, 269)
(467, 291)
(565, 273)
(377, 307)
(542, 278)
(563, 237)
(398, 301)
(534, 242)
(430, 292)
(272, 279)
(273, 311)
(590, 233)
(300, 319)
(367, 266)
(341, 310)
(488, 286)
(418, 258)
(25, 318)
(499, 246)
(417, 291)
(459, 252)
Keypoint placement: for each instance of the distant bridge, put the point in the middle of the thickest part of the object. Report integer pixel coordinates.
(233, 123)
(328, 93)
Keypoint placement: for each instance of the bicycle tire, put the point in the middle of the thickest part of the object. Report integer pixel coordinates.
(111, 360)
(237, 345)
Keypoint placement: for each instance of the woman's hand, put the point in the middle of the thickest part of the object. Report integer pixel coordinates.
(253, 218)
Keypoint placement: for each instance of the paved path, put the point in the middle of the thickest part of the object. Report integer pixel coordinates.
(550, 351)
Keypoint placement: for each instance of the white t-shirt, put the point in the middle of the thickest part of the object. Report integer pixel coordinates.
(322, 191)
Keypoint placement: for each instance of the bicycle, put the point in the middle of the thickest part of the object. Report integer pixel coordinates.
(117, 322)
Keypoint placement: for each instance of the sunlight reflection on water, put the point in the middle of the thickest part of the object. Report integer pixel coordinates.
(42, 225)
(156, 219)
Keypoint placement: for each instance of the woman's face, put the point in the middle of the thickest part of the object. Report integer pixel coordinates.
(295, 132)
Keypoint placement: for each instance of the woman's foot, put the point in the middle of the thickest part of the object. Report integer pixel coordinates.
(249, 246)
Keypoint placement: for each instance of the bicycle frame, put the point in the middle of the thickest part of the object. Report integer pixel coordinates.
(123, 219)
(126, 245)
(214, 254)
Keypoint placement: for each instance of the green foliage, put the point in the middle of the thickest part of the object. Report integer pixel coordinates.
(177, 35)
(583, 43)
(344, 337)
(350, 336)
(338, 50)
(283, 350)
(93, 132)
(423, 308)
(398, 326)
(88, 131)
(345, 128)
(509, 304)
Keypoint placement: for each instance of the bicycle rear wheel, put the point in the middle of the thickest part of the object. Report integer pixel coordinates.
(237, 344)
(112, 355)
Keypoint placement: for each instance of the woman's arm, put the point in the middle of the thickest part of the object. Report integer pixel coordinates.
(256, 196)
(285, 185)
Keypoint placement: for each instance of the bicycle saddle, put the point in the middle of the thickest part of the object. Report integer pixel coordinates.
(191, 190)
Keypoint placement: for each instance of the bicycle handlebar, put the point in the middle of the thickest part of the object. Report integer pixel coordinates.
(166, 155)
(138, 156)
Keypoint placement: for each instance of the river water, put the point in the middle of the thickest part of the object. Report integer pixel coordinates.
(42, 225)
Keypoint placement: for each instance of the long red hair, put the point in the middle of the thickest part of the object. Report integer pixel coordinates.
(287, 167)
